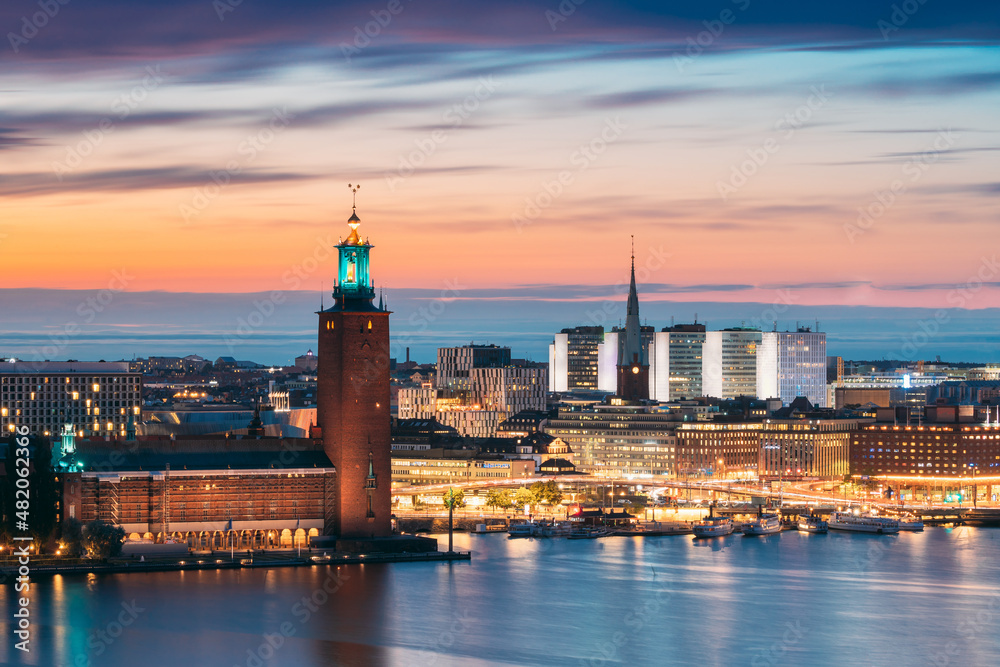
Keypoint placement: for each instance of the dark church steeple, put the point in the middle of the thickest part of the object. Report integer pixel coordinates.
(633, 363)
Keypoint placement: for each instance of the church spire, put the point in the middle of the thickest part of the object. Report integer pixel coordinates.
(633, 364)
(632, 347)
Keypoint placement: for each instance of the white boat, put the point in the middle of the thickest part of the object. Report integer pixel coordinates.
(713, 526)
(910, 522)
(863, 523)
(812, 524)
(765, 524)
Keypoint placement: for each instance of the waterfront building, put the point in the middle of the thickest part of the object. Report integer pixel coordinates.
(456, 466)
(573, 359)
(618, 441)
(208, 493)
(729, 362)
(792, 364)
(939, 449)
(541, 447)
(769, 449)
(675, 368)
(96, 397)
(353, 394)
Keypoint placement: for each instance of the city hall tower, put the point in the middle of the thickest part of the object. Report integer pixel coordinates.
(353, 394)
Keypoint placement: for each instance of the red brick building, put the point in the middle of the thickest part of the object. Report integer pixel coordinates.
(219, 492)
(940, 450)
(353, 395)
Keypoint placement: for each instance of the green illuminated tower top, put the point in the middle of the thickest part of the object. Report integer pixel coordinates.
(354, 289)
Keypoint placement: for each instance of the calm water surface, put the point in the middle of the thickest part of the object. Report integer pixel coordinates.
(930, 598)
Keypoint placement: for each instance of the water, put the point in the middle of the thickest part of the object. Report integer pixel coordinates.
(930, 598)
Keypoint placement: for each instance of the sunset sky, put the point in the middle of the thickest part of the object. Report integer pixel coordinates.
(826, 155)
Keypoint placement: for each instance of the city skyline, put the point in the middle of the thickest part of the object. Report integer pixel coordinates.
(522, 333)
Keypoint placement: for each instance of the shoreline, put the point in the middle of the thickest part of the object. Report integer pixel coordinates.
(214, 563)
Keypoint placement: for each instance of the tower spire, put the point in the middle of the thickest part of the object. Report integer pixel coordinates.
(354, 191)
(633, 365)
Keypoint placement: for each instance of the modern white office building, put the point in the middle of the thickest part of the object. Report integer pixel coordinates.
(792, 364)
(573, 359)
(729, 362)
(675, 362)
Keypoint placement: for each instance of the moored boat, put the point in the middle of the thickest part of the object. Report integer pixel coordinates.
(526, 529)
(713, 526)
(863, 523)
(765, 524)
(812, 524)
(910, 522)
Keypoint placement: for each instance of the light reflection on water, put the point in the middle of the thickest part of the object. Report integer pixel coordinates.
(789, 599)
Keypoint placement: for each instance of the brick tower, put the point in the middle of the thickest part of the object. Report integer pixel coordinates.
(353, 395)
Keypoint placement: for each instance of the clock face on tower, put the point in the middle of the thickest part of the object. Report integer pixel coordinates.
(635, 370)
